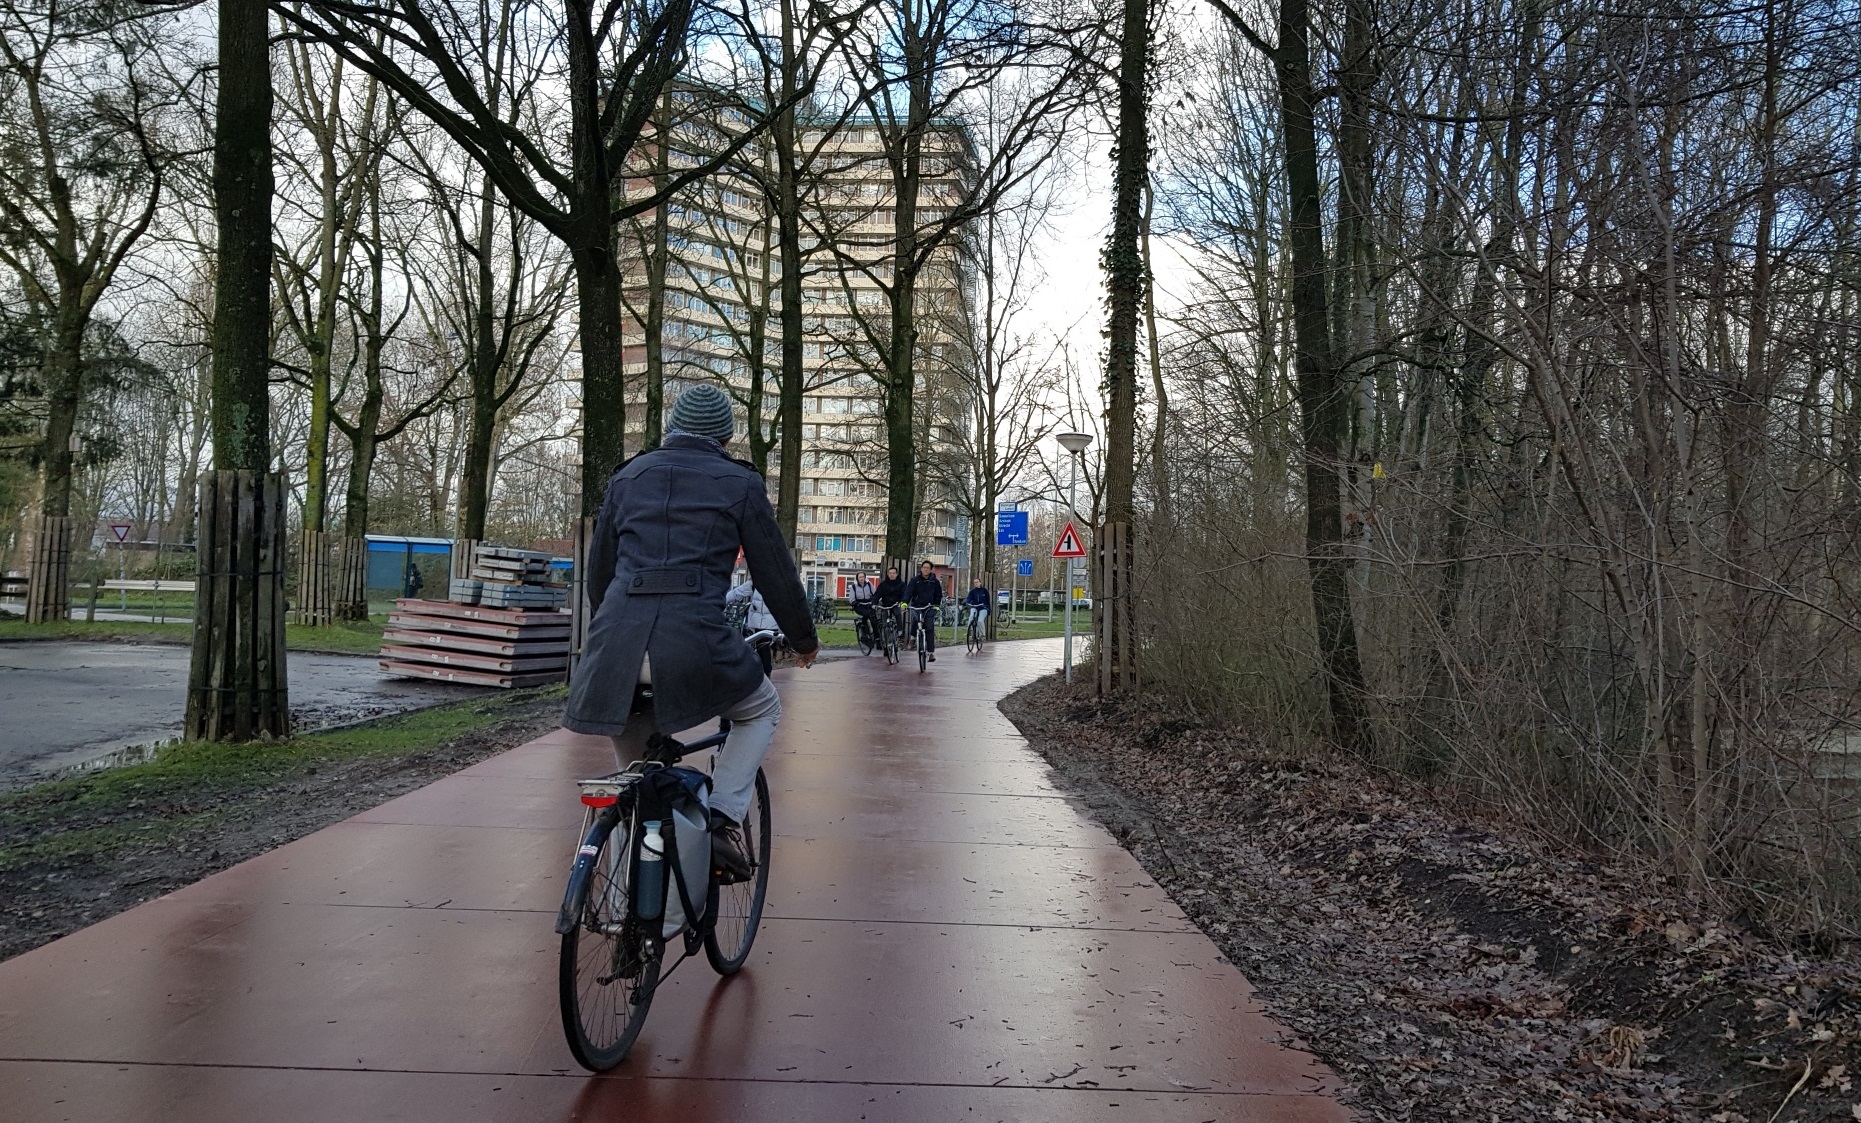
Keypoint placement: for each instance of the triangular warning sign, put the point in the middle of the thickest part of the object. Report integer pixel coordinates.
(1069, 546)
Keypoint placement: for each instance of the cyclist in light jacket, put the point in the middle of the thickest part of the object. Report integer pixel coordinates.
(758, 619)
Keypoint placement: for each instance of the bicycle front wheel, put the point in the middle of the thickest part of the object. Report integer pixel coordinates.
(609, 960)
(866, 642)
(923, 653)
(737, 908)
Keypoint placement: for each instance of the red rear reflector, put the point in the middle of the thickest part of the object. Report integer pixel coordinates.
(600, 800)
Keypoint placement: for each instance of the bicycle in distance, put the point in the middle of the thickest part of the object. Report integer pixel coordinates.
(920, 639)
(643, 884)
(824, 610)
(888, 634)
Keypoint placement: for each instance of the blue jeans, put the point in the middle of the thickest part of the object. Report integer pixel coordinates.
(733, 778)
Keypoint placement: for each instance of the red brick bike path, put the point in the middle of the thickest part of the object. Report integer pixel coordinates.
(947, 937)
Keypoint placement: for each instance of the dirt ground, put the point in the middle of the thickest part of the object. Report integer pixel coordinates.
(226, 823)
(1451, 968)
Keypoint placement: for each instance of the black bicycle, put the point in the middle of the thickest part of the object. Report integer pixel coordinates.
(823, 610)
(627, 876)
(888, 634)
(977, 632)
(919, 639)
(865, 633)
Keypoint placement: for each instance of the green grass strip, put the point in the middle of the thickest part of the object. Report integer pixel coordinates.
(99, 813)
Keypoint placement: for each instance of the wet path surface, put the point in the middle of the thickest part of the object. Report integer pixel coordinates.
(68, 703)
(947, 938)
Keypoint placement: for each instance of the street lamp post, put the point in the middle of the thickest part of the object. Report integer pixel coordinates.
(1074, 443)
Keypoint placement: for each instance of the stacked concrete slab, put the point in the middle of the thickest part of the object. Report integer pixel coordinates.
(502, 577)
(481, 644)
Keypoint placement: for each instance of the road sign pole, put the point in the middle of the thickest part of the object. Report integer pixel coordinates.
(1072, 510)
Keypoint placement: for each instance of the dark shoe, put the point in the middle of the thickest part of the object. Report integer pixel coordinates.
(933, 656)
(729, 865)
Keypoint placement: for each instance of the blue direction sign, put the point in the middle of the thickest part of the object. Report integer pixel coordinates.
(1025, 567)
(1011, 528)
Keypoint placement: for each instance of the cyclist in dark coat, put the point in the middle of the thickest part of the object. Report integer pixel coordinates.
(659, 565)
(978, 604)
(924, 596)
(891, 594)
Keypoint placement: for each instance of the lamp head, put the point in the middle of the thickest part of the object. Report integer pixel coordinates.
(1074, 443)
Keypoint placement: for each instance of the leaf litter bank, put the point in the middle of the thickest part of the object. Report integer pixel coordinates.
(1450, 967)
(79, 850)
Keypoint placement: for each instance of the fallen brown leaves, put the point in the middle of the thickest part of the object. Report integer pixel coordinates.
(1449, 968)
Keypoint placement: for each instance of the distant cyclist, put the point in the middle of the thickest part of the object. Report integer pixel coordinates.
(757, 618)
(924, 596)
(891, 594)
(978, 604)
(860, 594)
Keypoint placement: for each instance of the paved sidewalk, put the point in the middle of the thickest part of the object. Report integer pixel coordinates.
(947, 938)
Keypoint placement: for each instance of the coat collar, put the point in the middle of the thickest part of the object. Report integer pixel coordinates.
(692, 442)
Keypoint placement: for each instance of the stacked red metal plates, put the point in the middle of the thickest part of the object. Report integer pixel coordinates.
(506, 647)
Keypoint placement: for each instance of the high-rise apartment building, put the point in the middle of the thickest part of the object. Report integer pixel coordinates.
(721, 308)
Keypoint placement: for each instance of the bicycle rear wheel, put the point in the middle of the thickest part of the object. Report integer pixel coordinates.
(737, 909)
(610, 960)
(866, 642)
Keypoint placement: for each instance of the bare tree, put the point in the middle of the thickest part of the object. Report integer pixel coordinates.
(610, 64)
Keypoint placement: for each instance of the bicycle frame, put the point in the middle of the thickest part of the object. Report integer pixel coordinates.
(602, 799)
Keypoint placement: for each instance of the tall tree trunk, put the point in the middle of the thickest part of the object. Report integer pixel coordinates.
(64, 396)
(1324, 408)
(236, 681)
(1115, 649)
(242, 193)
(788, 242)
(482, 414)
(1159, 438)
(597, 291)
(590, 242)
(902, 491)
(658, 263)
(755, 407)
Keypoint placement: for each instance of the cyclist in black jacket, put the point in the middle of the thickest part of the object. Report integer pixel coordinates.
(925, 596)
(891, 594)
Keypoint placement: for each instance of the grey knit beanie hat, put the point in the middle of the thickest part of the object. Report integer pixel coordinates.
(704, 411)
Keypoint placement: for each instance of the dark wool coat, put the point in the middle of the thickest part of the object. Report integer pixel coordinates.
(658, 568)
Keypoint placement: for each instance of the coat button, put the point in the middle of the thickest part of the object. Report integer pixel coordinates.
(638, 581)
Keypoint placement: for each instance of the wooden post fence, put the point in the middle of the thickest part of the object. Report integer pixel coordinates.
(48, 574)
(316, 593)
(332, 578)
(351, 572)
(236, 688)
(1114, 603)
